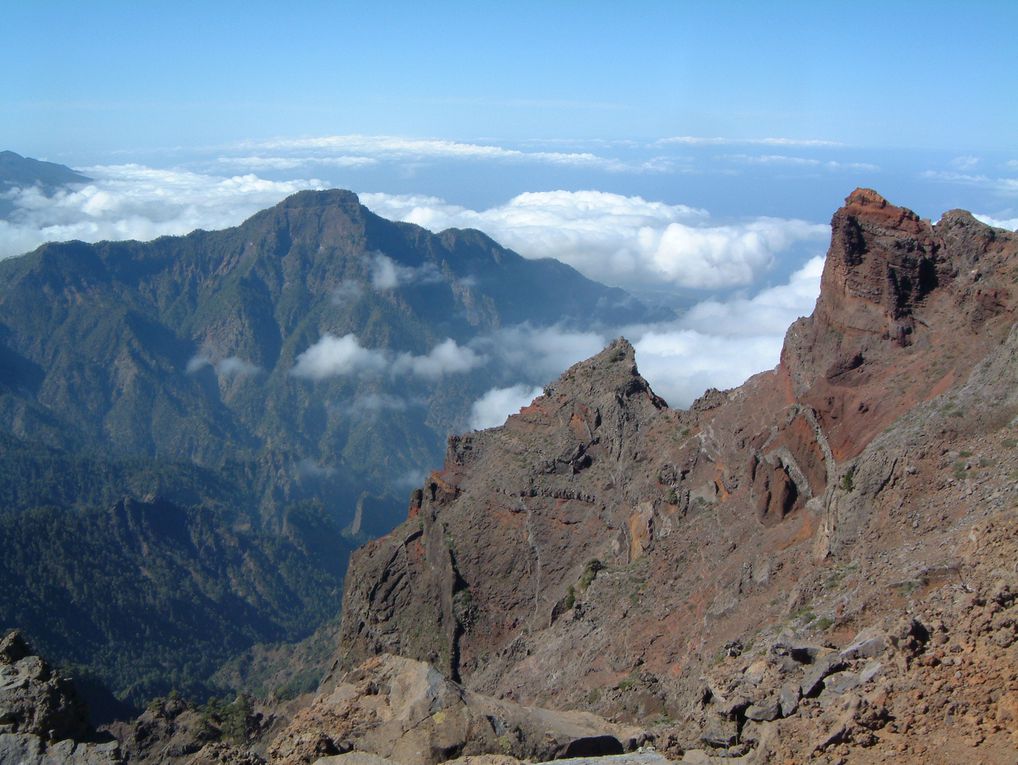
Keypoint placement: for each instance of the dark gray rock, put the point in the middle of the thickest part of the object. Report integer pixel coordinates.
(813, 681)
(868, 644)
(839, 682)
(764, 712)
(29, 749)
(788, 699)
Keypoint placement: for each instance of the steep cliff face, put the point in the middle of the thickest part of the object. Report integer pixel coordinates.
(602, 551)
(494, 539)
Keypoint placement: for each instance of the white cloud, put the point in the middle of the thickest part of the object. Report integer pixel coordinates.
(197, 363)
(1001, 185)
(387, 274)
(620, 240)
(401, 148)
(493, 407)
(231, 366)
(692, 140)
(540, 353)
(965, 162)
(1009, 223)
(383, 273)
(335, 356)
(445, 358)
(347, 292)
(720, 344)
(137, 202)
(806, 162)
(772, 159)
(291, 163)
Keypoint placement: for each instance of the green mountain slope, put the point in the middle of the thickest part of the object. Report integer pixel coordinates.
(188, 487)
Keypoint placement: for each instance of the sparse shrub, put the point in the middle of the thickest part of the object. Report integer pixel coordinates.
(626, 683)
(805, 615)
(570, 600)
(589, 573)
(848, 480)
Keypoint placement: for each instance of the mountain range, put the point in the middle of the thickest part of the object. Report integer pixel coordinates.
(815, 566)
(208, 413)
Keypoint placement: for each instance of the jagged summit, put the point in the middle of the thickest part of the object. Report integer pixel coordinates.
(613, 371)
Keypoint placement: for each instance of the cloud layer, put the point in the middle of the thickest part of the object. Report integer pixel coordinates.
(619, 240)
(717, 343)
(137, 202)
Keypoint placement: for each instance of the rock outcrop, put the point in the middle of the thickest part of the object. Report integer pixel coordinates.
(43, 721)
(709, 570)
(406, 711)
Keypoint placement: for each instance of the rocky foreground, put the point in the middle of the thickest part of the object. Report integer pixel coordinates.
(818, 566)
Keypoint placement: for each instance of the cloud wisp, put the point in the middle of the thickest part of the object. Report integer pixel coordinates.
(619, 240)
(358, 150)
(695, 140)
(344, 356)
(229, 367)
(387, 274)
(1001, 185)
(774, 160)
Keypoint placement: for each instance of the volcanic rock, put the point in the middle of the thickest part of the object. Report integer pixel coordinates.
(822, 500)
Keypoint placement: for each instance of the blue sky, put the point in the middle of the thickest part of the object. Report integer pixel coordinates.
(690, 152)
(89, 76)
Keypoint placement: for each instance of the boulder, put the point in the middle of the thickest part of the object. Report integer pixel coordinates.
(404, 710)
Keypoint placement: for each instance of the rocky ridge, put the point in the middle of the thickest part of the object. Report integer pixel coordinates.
(707, 570)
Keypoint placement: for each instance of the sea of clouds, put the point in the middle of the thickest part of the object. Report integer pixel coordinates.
(752, 275)
(620, 240)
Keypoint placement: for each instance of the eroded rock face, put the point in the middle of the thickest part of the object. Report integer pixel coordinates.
(602, 551)
(457, 580)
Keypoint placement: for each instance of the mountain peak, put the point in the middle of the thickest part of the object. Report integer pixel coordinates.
(317, 198)
(16, 170)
